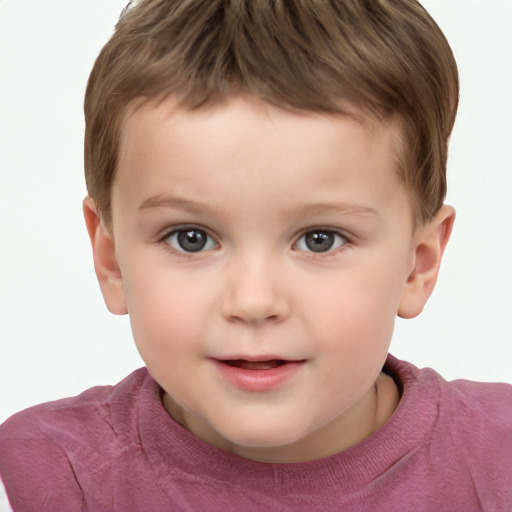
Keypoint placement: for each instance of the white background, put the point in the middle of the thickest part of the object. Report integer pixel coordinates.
(56, 335)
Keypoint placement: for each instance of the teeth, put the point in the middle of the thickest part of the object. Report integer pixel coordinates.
(255, 365)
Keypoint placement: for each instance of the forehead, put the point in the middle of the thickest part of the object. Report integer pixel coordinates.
(252, 148)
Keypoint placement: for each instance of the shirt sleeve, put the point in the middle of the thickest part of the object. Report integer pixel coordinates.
(37, 475)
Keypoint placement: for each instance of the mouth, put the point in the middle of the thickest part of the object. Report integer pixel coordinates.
(258, 374)
(255, 365)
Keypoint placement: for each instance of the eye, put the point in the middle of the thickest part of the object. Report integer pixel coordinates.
(320, 240)
(190, 240)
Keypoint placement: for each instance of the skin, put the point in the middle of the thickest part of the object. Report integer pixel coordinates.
(255, 179)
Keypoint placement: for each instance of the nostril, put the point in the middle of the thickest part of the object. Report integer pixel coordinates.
(254, 319)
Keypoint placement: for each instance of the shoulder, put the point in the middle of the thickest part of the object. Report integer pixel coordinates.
(474, 404)
(45, 444)
(479, 410)
(479, 416)
(462, 436)
(90, 409)
(475, 420)
(471, 441)
(465, 411)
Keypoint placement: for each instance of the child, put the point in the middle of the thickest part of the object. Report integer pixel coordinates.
(266, 183)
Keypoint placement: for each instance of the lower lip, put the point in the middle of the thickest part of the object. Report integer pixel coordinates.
(258, 380)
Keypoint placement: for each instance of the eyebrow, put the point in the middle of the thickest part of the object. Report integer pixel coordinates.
(178, 203)
(337, 209)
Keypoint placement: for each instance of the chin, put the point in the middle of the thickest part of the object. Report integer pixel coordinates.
(269, 437)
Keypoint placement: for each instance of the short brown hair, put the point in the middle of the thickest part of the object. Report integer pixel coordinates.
(387, 57)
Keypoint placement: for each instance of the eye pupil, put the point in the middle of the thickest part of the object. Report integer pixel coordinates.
(319, 241)
(192, 240)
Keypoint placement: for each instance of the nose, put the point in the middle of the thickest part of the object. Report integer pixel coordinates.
(255, 292)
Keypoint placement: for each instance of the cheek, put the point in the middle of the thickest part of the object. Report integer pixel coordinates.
(166, 313)
(355, 323)
(357, 309)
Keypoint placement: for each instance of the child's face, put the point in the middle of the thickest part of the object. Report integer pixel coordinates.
(263, 258)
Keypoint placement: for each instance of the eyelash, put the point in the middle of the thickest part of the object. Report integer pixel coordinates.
(330, 252)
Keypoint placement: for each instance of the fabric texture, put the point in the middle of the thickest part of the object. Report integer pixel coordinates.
(447, 447)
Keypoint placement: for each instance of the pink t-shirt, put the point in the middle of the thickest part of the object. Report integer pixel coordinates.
(447, 447)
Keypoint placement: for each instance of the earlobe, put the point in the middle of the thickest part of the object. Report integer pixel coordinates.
(105, 264)
(429, 247)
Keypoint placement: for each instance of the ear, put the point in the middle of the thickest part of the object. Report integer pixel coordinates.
(105, 264)
(429, 244)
